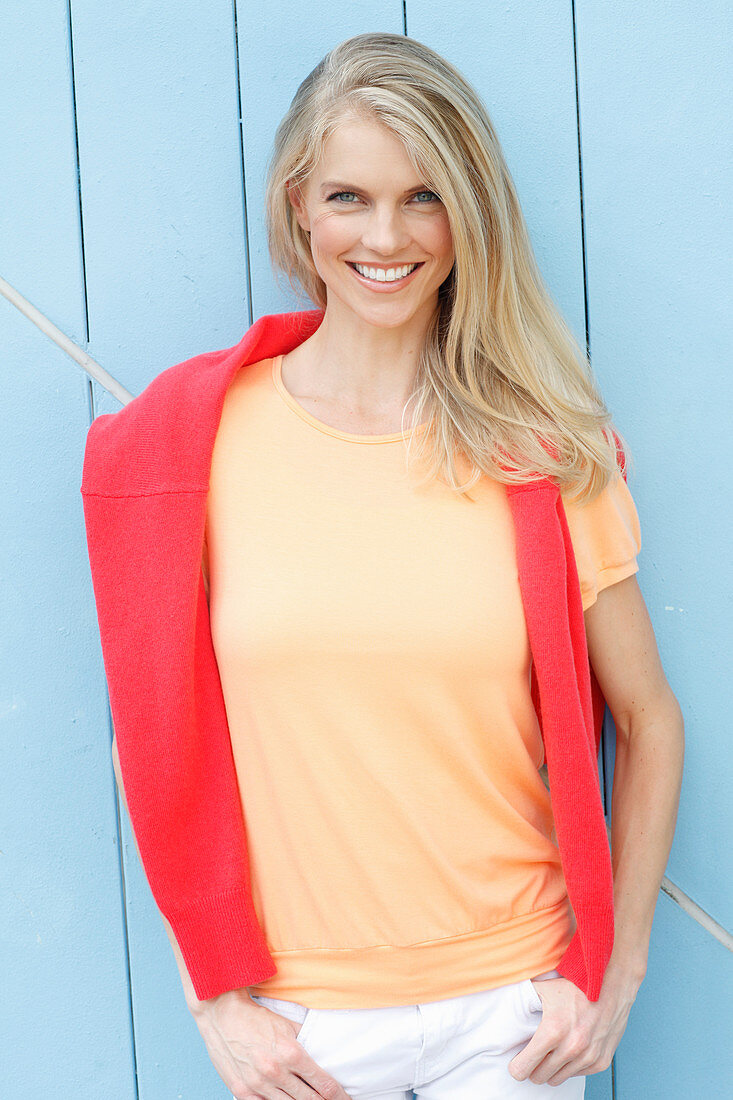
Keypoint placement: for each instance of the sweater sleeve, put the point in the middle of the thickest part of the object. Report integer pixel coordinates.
(169, 716)
(606, 538)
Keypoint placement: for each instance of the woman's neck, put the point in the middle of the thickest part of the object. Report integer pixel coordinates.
(367, 369)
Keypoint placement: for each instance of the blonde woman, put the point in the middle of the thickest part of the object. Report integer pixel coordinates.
(359, 735)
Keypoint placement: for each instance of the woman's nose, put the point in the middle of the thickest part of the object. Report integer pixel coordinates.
(385, 231)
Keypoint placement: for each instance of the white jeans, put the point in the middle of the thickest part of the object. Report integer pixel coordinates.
(455, 1049)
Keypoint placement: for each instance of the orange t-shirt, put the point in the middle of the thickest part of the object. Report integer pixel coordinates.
(374, 662)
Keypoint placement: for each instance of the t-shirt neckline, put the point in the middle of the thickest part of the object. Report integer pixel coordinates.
(351, 437)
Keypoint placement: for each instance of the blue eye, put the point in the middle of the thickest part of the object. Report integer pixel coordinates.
(338, 194)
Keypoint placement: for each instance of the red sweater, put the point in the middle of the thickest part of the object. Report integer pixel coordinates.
(144, 489)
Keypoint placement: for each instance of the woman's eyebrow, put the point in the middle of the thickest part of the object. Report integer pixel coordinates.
(338, 185)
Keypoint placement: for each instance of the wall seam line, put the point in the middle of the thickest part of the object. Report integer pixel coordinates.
(70, 30)
(243, 164)
(125, 925)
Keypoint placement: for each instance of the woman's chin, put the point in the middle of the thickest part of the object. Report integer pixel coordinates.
(383, 311)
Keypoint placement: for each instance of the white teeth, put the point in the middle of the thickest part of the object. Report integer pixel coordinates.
(379, 275)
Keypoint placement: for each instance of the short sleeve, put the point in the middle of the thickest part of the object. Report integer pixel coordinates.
(606, 538)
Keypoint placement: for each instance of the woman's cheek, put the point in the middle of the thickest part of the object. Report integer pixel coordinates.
(332, 235)
(443, 236)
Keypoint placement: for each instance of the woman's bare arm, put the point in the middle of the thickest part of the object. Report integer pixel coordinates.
(648, 765)
(577, 1037)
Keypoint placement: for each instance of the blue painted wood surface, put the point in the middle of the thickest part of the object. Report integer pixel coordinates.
(655, 99)
(154, 239)
(65, 1026)
(678, 1043)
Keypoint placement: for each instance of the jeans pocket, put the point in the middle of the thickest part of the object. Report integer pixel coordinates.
(533, 1000)
(291, 1010)
(305, 1028)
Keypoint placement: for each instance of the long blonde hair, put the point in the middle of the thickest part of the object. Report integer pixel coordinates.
(501, 378)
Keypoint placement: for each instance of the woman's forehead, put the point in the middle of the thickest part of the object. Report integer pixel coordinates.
(362, 152)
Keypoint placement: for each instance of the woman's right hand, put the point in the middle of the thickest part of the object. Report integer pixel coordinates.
(256, 1052)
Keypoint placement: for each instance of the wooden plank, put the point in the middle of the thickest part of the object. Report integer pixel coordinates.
(162, 194)
(677, 1043)
(519, 57)
(275, 55)
(655, 97)
(161, 182)
(65, 1016)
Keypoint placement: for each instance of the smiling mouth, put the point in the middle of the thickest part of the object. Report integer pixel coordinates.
(384, 275)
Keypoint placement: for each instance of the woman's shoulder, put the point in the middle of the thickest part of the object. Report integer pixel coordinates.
(156, 436)
(606, 536)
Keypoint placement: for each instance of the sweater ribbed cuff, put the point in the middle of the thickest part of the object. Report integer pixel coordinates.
(222, 943)
(587, 973)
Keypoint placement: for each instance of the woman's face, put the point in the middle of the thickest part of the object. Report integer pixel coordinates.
(365, 204)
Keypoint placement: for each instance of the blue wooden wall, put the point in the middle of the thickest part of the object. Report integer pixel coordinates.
(134, 140)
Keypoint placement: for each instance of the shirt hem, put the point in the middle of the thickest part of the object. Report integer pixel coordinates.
(431, 970)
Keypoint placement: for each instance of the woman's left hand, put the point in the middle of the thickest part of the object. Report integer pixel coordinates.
(575, 1037)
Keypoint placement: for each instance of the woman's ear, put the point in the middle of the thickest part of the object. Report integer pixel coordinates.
(296, 200)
